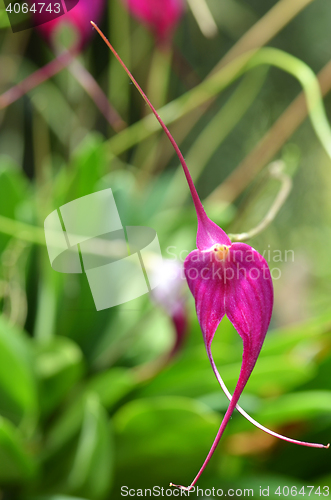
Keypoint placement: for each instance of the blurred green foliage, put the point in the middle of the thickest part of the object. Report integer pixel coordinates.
(87, 403)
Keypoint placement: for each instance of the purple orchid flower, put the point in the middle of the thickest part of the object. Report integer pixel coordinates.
(160, 16)
(78, 18)
(224, 278)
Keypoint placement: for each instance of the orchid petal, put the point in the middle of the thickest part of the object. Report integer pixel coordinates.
(249, 300)
(235, 281)
(208, 291)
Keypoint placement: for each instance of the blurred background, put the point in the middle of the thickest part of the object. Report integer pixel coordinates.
(91, 401)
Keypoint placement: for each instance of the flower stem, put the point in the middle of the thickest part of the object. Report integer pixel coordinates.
(218, 128)
(203, 17)
(63, 60)
(38, 77)
(270, 143)
(196, 200)
(92, 88)
(276, 170)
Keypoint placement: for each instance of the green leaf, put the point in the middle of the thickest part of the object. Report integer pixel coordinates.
(16, 464)
(296, 407)
(162, 439)
(13, 191)
(109, 386)
(282, 339)
(18, 392)
(91, 473)
(112, 385)
(88, 165)
(59, 365)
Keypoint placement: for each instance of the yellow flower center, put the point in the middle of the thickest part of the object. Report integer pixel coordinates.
(221, 251)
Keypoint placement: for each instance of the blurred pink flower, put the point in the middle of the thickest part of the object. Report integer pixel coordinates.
(160, 16)
(170, 295)
(78, 18)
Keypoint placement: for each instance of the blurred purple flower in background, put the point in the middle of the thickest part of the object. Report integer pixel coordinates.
(170, 295)
(77, 18)
(160, 16)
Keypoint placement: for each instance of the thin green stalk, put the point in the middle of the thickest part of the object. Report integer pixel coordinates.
(22, 231)
(157, 89)
(159, 73)
(260, 34)
(203, 17)
(179, 107)
(216, 132)
(307, 78)
(265, 29)
(119, 87)
(269, 145)
(201, 94)
(215, 84)
(276, 170)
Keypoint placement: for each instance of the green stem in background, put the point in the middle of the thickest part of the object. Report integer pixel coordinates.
(157, 85)
(47, 299)
(13, 293)
(269, 144)
(265, 29)
(219, 127)
(276, 171)
(12, 49)
(159, 75)
(148, 152)
(22, 231)
(65, 59)
(179, 107)
(212, 86)
(260, 34)
(35, 79)
(41, 148)
(120, 36)
(305, 75)
(92, 88)
(202, 93)
(203, 17)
